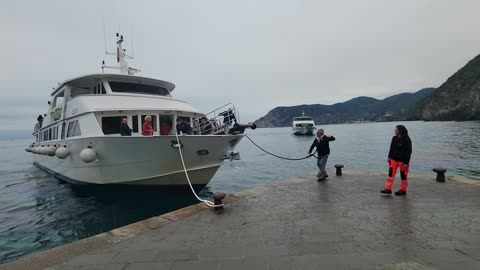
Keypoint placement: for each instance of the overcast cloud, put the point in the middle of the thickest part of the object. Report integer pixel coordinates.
(257, 54)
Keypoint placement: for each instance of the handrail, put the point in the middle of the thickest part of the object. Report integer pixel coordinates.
(216, 121)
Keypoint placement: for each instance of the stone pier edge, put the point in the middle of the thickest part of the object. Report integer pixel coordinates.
(61, 254)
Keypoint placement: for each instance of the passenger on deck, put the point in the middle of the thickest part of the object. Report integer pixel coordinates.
(165, 127)
(125, 130)
(205, 126)
(40, 120)
(147, 129)
(214, 125)
(183, 127)
(228, 117)
(196, 126)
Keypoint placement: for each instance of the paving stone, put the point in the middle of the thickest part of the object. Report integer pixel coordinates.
(221, 252)
(135, 256)
(64, 267)
(195, 265)
(280, 263)
(110, 266)
(250, 263)
(149, 266)
(176, 255)
(92, 259)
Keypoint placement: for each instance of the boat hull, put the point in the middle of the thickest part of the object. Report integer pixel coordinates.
(141, 161)
(303, 130)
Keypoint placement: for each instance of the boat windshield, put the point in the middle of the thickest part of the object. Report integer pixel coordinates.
(137, 88)
(302, 119)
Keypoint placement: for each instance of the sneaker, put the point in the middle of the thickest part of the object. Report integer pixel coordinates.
(400, 193)
(386, 191)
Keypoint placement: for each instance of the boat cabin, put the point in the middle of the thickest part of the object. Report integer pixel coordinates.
(94, 105)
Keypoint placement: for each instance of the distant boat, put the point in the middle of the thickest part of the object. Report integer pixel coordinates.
(303, 125)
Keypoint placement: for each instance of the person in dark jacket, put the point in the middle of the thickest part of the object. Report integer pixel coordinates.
(40, 120)
(322, 142)
(399, 158)
(125, 130)
(183, 127)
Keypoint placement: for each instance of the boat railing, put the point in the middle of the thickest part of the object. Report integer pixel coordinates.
(218, 121)
(37, 126)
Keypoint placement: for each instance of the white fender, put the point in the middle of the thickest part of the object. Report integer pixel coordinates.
(42, 150)
(62, 152)
(51, 150)
(88, 155)
(28, 149)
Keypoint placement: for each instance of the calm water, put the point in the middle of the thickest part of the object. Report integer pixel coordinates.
(38, 212)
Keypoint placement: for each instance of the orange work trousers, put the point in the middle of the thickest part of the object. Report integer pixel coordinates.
(392, 171)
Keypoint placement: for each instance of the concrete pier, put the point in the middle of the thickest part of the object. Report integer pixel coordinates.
(341, 223)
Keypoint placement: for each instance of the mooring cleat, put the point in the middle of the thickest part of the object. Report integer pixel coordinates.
(401, 193)
(386, 191)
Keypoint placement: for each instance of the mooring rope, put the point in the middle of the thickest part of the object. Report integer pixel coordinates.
(207, 202)
(272, 154)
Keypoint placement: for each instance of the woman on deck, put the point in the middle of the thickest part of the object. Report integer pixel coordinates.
(147, 129)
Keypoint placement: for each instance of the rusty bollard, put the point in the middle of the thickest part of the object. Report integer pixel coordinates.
(217, 199)
(440, 174)
(339, 169)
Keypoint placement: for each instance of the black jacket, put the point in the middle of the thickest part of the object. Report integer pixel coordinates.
(400, 149)
(125, 130)
(323, 145)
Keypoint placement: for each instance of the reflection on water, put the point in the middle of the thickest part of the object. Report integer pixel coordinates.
(38, 212)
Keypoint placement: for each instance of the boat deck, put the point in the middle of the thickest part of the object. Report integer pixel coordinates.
(341, 223)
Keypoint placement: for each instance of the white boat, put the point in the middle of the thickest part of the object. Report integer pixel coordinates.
(303, 125)
(79, 138)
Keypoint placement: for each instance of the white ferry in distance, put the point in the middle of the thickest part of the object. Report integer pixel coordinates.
(303, 125)
(79, 139)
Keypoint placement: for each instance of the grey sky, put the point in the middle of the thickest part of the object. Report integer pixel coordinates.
(257, 54)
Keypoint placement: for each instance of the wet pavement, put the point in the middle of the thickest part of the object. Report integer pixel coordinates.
(341, 223)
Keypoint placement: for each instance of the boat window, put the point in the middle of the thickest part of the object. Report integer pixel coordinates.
(137, 88)
(73, 129)
(165, 124)
(184, 118)
(111, 124)
(302, 119)
(77, 91)
(135, 123)
(154, 121)
(99, 89)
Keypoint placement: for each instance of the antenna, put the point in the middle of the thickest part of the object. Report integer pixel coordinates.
(131, 39)
(104, 35)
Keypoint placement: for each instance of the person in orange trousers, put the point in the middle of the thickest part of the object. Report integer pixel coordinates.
(399, 158)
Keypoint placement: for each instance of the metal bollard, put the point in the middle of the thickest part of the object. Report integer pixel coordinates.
(217, 199)
(440, 174)
(339, 169)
